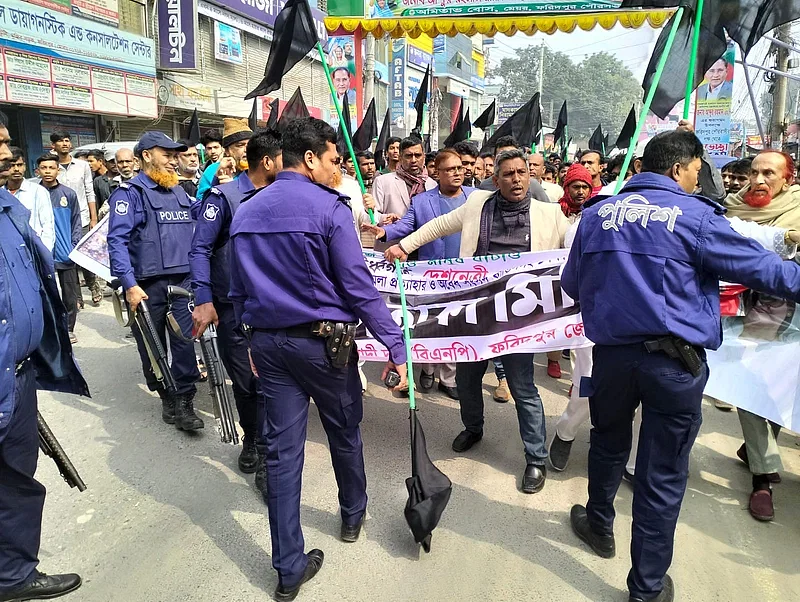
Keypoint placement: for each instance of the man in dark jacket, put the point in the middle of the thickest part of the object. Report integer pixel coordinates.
(67, 217)
(34, 352)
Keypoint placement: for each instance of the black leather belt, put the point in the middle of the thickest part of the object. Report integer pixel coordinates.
(305, 331)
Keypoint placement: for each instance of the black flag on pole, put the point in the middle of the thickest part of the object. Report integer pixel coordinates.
(561, 124)
(458, 133)
(366, 132)
(272, 120)
(383, 141)
(596, 141)
(252, 120)
(524, 125)
(628, 130)
(295, 37)
(422, 98)
(486, 119)
(193, 129)
(344, 123)
(295, 109)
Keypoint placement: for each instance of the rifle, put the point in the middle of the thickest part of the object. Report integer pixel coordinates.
(51, 447)
(155, 350)
(223, 408)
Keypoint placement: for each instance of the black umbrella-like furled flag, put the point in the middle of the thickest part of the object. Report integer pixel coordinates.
(628, 130)
(428, 487)
(561, 125)
(486, 119)
(344, 123)
(252, 120)
(272, 120)
(295, 109)
(596, 142)
(366, 132)
(193, 130)
(422, 98)
(295, 37)
(383, 140)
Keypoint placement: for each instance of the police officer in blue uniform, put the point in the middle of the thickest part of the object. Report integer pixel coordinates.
(210, 263)
(34, 352)
(149, 237)
(645, 266)
(297, 272)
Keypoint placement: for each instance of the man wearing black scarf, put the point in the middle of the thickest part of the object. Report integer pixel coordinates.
(503, 221)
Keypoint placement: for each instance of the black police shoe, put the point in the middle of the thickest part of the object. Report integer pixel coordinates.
(451, 392)
(533, 478)
(315, 559)
(426, 381)
(559, 453)
(350, 533)
(43, 587)
(667, 594)
(603, 545)
(465, 440)
(168, 410)
(185, 418)
(248, 459)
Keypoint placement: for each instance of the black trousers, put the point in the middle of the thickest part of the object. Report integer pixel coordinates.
(21, 496)
(70, 292)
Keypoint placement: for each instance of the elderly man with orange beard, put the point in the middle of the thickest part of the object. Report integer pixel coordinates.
(149, 238)
(770, 199)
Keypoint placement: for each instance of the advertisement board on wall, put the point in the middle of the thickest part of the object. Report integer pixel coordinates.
(102, 11)
(341, 58)
(177, 33)
(266, 11)
(55, 60)
(392, 9)
(227, 43)
(398, 83)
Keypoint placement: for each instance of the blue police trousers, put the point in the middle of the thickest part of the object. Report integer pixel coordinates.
(233, 346)
(21, 496)
(291, 370)
(624, 376)
(184, 361)
(530, 411)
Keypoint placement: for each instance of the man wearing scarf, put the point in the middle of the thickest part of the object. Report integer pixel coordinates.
(503, 221)
(393, 191)
(770, 199)
(577, 190)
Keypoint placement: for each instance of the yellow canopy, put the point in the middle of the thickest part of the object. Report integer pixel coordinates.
(492, 24)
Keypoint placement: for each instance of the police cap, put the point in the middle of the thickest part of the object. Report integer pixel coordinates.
(158, 139)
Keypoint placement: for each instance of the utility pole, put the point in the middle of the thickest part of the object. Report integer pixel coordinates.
(550, 122)
(369, 70)
(781, 88)
(541, 69)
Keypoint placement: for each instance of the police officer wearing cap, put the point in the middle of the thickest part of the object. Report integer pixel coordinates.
(645, 267)
(298, 276)
(149, 237)
(210, 263)
(35, 352)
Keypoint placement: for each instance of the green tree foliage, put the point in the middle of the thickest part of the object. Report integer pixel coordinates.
(600, 89)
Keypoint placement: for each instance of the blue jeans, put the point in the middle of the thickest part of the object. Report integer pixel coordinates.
(530, 412)
(499, 371)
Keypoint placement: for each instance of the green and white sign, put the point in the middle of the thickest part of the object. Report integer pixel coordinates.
(389, 9)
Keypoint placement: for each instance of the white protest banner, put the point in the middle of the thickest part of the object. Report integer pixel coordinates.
(91, 252)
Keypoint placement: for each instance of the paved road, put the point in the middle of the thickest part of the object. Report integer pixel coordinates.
(168, 518)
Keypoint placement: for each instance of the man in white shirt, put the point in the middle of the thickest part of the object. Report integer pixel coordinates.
(33, 197)
(536, 169)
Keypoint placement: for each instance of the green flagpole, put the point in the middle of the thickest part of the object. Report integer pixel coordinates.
(345, 130)
(412, 403)
(698, 17)
(651, 92)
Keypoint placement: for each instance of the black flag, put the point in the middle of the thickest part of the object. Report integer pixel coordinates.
(383, 140)
(366, 132)
(252, 120)
(344, 123)
(294, 109)
(524, 125)
(605, 143)
(422, 98)
(428, 489)
(561, 125)
(459, 132)
(295, 37)
(193, 130)
(628, 130)
(596, 141)
(272, 120)
(532, 130)
(486, 119)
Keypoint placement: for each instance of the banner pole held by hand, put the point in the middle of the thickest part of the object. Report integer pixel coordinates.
(698, 17)
(412, 403)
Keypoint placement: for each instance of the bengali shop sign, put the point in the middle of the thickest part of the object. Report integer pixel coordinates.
(177, 33)
(75, 64)
(265, 12)
(389, 9)
(465, 310)
(712, 115)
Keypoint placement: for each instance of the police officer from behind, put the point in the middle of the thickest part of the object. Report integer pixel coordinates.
(210, 263)
(645, 266)
(34, 352)
(149, 237)
(298, 275)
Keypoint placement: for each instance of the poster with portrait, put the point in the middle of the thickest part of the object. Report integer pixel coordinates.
(712, 116)
(341, 56)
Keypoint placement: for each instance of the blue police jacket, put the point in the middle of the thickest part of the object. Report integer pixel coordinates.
(149, 231)
(424, 207)
(296, 259)
(44, 337)
(209, 258)
(647, 263)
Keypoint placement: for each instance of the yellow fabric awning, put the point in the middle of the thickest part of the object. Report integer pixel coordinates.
(491, 25)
